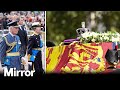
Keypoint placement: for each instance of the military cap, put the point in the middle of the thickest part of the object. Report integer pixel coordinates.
(13, 23)
(36, 24)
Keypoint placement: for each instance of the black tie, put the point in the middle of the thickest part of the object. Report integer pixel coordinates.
(22, 28)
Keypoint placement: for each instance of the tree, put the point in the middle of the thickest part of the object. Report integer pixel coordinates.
(63, 24)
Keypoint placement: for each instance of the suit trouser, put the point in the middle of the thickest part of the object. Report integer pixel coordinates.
(38, 64)
(23, 50)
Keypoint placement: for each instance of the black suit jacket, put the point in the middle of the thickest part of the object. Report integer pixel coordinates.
(34, 42)
(24, 41)
(23, 37)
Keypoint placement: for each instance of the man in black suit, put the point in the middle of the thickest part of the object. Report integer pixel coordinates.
(22, 33)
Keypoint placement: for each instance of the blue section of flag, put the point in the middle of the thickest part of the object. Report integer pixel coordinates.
(98, 59)
(113, 45)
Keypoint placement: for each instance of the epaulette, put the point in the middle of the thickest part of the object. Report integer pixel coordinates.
(9, 44)
(5, 35)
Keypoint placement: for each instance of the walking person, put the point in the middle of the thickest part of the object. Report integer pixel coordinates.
(35, 45)
(10, 48)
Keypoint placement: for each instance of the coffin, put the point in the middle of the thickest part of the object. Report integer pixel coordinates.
(78, 58)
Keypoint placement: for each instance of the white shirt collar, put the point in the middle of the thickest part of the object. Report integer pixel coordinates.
(19, 25)
(11, 34)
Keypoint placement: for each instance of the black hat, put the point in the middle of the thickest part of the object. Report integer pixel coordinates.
(111, 56)
(13, 23)
(36, 24)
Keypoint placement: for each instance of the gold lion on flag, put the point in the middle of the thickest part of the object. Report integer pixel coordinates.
(77, 58)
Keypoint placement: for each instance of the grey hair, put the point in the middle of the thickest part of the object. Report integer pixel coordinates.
(9, 28)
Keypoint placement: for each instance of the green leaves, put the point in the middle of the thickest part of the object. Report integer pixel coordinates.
(62, 25)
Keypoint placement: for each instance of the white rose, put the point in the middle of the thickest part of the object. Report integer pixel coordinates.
(95, 35)
(93, 40)
(115, 39)
(106, 38)
(85, 35)
(101, 38)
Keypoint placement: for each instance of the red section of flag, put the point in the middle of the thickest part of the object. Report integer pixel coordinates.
(82, 64)
(70, 65)
(81, 50)
(63, 61)
(48, 58)
(93, 65)
(105, 47)
(94, 44)
(94, 54)
(116, 47)
(85, 58)
(77, 51)
(87, 47)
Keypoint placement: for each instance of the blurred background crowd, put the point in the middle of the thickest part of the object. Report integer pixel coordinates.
(28, 16)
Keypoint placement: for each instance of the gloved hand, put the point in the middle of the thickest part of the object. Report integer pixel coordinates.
(29, 57)
(24, 61)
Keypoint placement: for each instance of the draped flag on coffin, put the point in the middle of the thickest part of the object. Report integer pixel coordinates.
(77, 58)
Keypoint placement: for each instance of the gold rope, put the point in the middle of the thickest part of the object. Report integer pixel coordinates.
(9, 44)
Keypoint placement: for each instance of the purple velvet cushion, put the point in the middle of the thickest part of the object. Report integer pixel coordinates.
(71, 40)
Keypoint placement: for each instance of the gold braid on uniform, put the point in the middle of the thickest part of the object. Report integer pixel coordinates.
(9, 44)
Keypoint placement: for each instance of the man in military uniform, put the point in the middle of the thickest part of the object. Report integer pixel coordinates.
(10, 48)
(35, 45)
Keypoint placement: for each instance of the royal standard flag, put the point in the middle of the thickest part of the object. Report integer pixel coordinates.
(77, 58)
